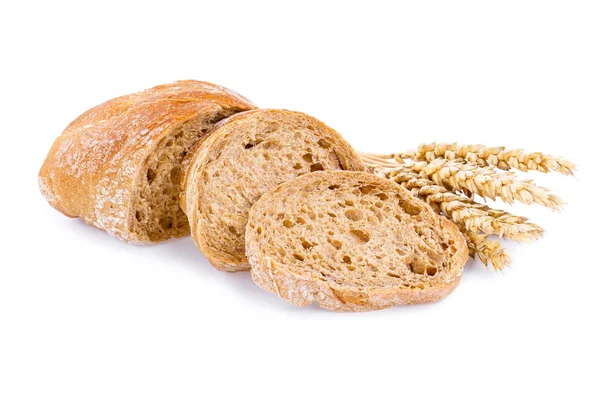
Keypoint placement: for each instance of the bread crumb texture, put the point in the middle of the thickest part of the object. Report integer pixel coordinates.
(352, 241)
(244, 157)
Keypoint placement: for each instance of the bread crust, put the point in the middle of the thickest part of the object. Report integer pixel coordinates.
(193, 181)
(92, 170)
(302, 290)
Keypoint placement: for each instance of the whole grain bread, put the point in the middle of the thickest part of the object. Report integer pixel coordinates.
(245, 156)
(117, 166)
(352, 241)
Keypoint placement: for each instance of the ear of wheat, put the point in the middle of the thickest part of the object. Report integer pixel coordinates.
(447, 176)
(488, 251)
(499, 157)
(474, 217)
(484, 181)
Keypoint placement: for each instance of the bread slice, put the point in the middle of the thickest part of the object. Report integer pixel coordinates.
(245, 156)
(118, 165)
(352, 241)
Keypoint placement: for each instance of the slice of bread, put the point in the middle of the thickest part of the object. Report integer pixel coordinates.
(243, 157)
(117, 166)
(352, 241)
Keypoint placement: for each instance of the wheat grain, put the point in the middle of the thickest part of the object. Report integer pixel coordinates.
(488, 251)
(499, 157)
(473, 216)
(484, 181)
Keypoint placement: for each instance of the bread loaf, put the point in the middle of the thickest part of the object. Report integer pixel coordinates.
(117, 166)
(245, 156)
(351, 241)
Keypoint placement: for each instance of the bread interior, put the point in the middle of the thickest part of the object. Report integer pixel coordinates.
(252, 159)
(355, 234)
(158, 215)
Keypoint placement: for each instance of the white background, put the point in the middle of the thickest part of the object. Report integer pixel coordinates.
(85, 316)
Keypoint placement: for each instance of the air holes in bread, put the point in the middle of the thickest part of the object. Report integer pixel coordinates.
(382, 196)
(271, 145)
(298, 257)
(366, 189)
(287, 223)
(252, 143)
(333, 187)
(307, 157)
(335, 243)
(316, 167)
(354, 214)
(420, 231)
(166, 222)
(360, 236)
(324, 143)
(409, 208)
(419, 267)
(175, 174)
(150, 175)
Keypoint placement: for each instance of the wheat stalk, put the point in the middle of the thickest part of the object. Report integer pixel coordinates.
(441, 174)
(374, 160)
(462, 211)
(499, 157)
(484, 181)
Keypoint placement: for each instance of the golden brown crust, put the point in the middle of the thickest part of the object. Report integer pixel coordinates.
(93, 167)
(302, 288)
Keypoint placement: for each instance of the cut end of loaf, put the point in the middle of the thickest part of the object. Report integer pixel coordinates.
(353, 242)
(157, 214)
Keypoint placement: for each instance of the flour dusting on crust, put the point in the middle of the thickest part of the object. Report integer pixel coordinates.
(93, 169)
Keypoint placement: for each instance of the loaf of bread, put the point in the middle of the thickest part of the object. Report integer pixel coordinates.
(351, 241)
(117, 166)
(245, 156)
